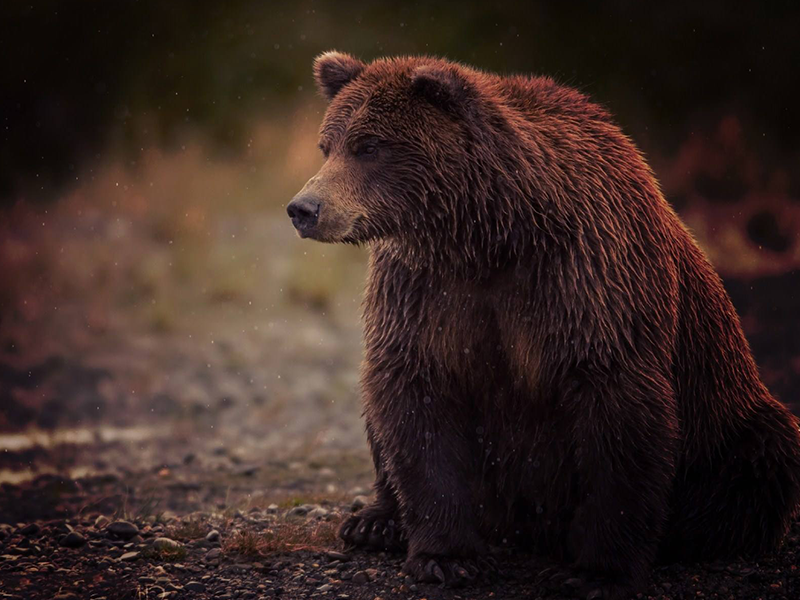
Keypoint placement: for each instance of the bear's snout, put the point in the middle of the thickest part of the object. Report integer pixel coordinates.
(303, 210)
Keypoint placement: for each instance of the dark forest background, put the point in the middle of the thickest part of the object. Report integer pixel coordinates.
(80, 75)
(151, 283)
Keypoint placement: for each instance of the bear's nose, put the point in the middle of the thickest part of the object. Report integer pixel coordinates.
(304, 212)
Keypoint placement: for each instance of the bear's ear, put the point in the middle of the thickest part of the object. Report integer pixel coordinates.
(333, 70)
(443, 86)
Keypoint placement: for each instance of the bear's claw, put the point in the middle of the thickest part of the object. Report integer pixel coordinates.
(449, 571)
(372, 530)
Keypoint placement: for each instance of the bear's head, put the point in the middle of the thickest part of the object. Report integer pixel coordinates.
(404, 154)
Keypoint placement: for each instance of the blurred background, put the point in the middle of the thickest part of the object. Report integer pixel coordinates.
(157, 312)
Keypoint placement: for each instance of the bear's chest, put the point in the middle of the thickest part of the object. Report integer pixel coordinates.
(483, 334)
(488, 334)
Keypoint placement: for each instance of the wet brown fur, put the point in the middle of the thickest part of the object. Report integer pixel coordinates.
(550, 360)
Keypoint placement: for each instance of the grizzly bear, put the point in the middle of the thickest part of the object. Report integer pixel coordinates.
(550, 360)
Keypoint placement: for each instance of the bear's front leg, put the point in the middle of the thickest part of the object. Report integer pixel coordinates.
(626, 432)
(377, 526)
(429, 464)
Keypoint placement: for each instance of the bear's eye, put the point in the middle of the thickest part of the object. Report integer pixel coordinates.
(325, 150)
(366, 148)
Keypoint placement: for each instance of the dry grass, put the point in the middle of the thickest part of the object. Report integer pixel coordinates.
(324, 499)
(188, 530)
(284, 538)
(165, 554)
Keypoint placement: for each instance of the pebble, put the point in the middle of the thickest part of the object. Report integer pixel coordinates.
(101, 521)
(129, 556)
(195, 586)
(164, 543)
(325, 588)
(272, 509)
(318, 513)
(298, 511)
(123, 529)
(340, 556)
(359, 502)
(213, 554)
(31, 529)
(73, 540)
(360, 577)
(212, 536)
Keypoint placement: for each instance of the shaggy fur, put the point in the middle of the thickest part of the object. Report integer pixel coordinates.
(550, 359)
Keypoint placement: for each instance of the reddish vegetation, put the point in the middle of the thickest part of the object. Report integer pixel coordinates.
(317, 536)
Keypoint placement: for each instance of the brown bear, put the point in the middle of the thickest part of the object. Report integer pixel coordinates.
(551, 361)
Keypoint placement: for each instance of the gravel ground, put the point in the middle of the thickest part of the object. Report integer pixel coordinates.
(105, 537)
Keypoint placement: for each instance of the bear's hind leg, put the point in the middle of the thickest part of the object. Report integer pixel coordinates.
(739, 502)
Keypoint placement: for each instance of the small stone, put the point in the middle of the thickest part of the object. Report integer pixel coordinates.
(340, 556)
(249, 471)
(129, 557)
(147, 580)
(360, 577)
(359, 502)
(298, 511)
(31, 529)
(101, 521)
(123, 529)
(73, 540)
(212, 536)
(212, 554)
(195, 586)
(272, 509)
(164, 543)
(65, 596)
(318, 513)
(325, 588)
